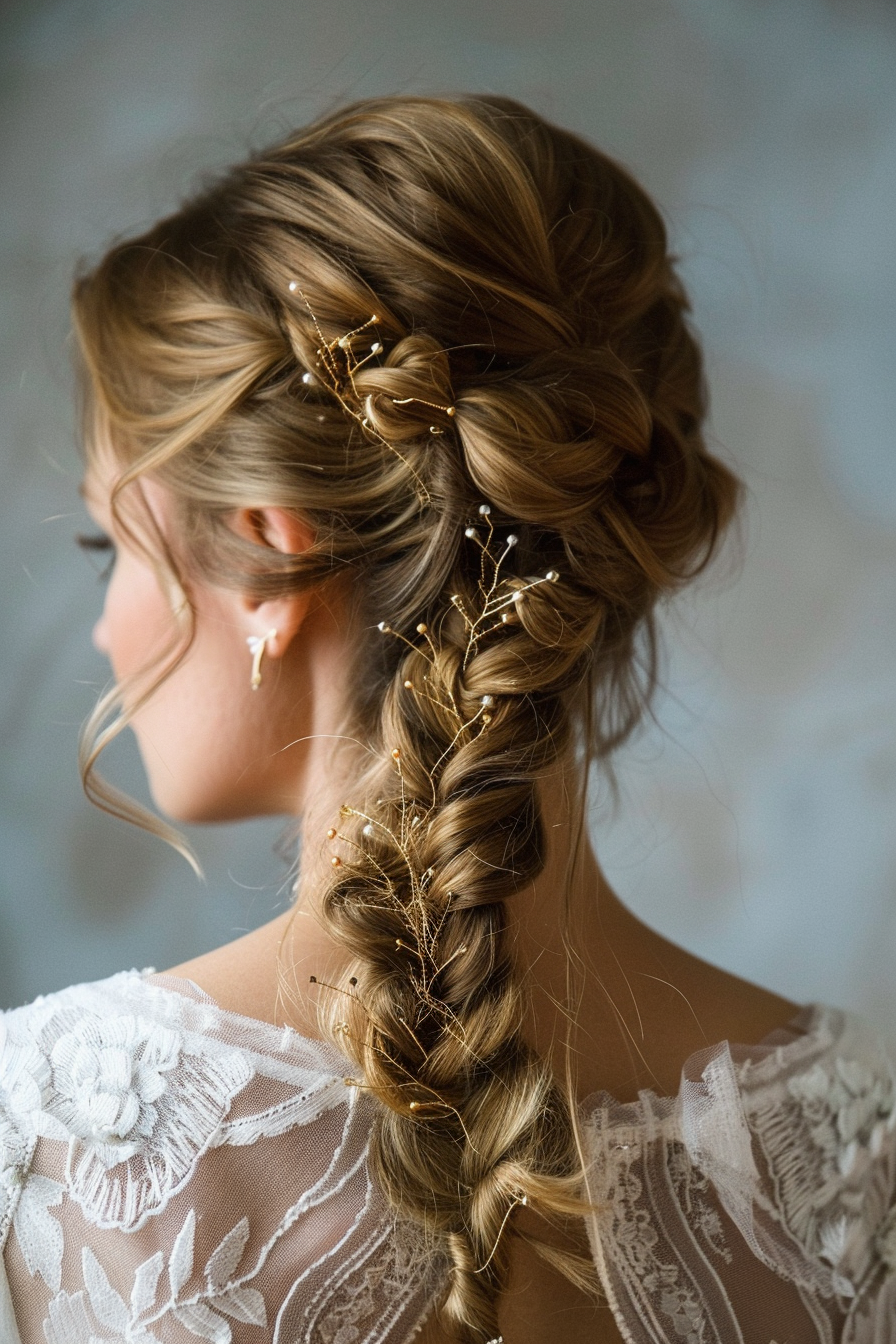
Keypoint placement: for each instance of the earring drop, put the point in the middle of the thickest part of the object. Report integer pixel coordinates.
(257, 648)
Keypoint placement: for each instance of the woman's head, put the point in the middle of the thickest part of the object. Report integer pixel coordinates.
(212, 752)
(413, 309)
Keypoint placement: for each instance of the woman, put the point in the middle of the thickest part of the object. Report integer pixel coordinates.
(396, 434)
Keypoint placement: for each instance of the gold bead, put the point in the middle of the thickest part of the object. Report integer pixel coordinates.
(414, 1105)
(332, 833)
(336, 861)
(451, 410)
(409, 685)
(422, 628)
(486, 718)
(396, 753)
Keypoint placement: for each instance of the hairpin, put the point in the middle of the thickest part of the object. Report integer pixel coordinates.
(338, 365)
(516, 1202)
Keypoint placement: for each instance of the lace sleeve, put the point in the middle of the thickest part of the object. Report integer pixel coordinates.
(172, 1173)
(759, 1206)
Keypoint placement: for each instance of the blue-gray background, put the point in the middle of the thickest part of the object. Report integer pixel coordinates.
(757, 824)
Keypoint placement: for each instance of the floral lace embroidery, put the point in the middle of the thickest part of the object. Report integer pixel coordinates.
(85, 1316)
(110, 1101)
(114, 1101)
(821, 1116)
(124, 1105)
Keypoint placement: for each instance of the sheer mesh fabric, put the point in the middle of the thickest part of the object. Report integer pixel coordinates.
(759, 1205)
(169, 1171)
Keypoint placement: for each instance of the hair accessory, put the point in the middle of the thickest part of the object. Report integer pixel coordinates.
(514, 1203)
(257, 648)
(338, 365)
(419, 956)
(433, 405)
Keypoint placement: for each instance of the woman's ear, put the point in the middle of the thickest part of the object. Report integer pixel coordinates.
(283, 531)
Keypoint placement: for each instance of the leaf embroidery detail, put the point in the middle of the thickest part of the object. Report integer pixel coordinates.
(108, 1307)
(180, 1266)
(146, 1284)
(223, 1261)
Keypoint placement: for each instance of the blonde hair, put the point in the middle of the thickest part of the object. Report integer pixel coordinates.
(533, 355)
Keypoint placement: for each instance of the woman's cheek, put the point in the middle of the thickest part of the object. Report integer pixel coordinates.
(137, 621)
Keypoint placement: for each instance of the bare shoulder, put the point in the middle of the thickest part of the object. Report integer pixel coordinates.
(642, 1008)
(660, 1004)
(266, 973)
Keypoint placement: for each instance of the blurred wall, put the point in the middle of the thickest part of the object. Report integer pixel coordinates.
(756, 824)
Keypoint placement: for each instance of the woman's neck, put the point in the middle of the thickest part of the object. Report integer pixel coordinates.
(612, 1004)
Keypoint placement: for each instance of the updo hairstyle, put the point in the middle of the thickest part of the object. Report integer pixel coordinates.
(512, 334)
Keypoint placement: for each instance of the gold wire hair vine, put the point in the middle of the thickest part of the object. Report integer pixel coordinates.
(489, 609)
(339, 365)
(494, 602)
(516, 1202)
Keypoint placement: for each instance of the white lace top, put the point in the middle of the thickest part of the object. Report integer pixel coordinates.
(172, 1172)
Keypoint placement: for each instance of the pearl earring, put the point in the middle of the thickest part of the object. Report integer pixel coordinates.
(257, 648)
